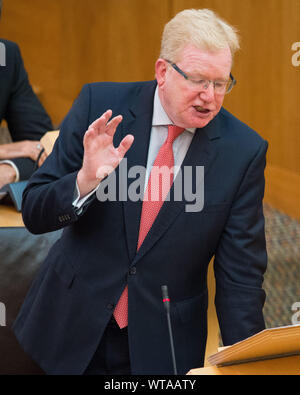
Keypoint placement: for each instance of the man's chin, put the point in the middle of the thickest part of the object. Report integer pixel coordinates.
(201, 123)
(198, 121)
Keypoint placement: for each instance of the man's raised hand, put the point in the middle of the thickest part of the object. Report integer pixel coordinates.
(100, 157)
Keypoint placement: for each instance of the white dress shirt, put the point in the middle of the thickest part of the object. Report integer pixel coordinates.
(159, 134)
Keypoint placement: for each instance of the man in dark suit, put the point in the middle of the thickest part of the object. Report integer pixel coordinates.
(26, 118)
(96, 306)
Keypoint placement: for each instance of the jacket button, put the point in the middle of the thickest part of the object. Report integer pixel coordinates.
(132, 270)
(110, 306)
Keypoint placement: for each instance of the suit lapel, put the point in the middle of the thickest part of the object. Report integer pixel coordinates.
(138, 122)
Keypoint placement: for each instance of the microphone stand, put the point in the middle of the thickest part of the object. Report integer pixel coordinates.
(166, 301)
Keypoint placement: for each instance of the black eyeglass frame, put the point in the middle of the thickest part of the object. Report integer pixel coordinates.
(175, 67)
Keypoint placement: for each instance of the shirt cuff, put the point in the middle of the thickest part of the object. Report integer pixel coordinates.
(9, 162)
(77, 202)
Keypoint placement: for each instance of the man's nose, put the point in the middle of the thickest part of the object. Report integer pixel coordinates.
(208, 93)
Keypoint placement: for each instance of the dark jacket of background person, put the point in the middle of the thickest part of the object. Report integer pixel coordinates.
(19, 106)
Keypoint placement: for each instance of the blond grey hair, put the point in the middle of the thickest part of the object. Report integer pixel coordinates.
(201, 28)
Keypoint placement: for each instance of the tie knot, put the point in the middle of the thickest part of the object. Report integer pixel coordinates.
(173, 132)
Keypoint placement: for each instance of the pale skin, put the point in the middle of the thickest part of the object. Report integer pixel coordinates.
(100, 156)
(184, 104)
(7, 174)
(20, 149)
(184, 107)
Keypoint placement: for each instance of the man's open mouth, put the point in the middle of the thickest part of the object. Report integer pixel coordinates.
(201, 110)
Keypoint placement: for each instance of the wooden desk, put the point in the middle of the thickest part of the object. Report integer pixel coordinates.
(277, 366)
(9, 217)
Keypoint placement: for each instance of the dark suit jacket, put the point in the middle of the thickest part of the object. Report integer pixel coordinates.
(72, 299)
(26, 118)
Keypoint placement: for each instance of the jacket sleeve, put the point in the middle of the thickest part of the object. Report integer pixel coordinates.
(25, 166)
(241, 258)
(26, 117)
(47, 200)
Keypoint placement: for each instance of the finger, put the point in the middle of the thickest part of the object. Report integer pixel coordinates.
(89, 135)
(90, 132)
(42, 159)
(36, 148)
(100, 122)
(43, 156)
(112, 125)
(40, 155)
(125, 144)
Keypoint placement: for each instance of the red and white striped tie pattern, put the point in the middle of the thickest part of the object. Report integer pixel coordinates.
(154, 197)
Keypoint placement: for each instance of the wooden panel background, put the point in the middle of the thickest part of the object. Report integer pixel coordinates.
(66, 43)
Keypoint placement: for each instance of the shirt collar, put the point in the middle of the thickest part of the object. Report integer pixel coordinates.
(160, 117)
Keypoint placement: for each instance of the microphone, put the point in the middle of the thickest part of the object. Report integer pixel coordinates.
(166, 302)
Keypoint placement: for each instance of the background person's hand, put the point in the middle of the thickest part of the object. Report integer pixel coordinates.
(7, 174)
(23, 149)
(100, 156)
(32, 150)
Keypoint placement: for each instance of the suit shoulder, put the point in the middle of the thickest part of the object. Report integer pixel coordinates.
(238, 130)
(118, 87)
(13, 57)
(10, 46)
(114, 95)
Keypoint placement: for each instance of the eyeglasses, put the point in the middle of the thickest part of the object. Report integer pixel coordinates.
(221, 87)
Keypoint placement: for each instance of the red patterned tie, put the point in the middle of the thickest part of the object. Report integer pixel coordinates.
(156, 192)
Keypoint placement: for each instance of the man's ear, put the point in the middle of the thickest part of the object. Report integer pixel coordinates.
(160, 71)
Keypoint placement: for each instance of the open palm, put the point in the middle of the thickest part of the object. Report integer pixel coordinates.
(100, 156)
